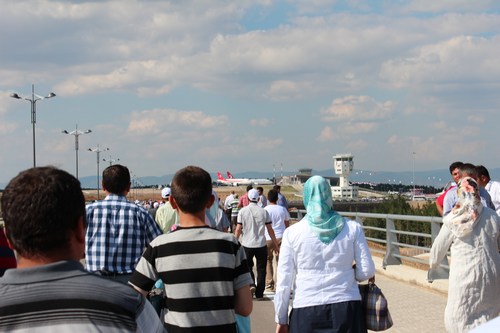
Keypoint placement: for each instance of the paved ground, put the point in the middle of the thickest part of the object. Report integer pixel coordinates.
(413, 308)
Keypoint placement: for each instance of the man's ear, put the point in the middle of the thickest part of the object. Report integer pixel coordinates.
(80, 230)
(210, 201)
(9, 244)
(171, 199)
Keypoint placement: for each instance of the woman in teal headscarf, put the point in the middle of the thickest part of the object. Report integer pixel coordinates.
(320, 251)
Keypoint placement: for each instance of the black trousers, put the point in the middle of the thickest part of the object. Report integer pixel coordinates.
(342, 317)
(260, 254)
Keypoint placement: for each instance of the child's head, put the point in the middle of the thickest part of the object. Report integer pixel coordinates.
(192, 189)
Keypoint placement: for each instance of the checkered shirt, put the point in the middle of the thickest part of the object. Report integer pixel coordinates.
(118, 231)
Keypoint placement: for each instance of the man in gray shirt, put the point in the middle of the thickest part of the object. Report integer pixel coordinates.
(252, 221)
(50, 291)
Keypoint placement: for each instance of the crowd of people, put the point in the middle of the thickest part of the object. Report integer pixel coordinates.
(199, 251)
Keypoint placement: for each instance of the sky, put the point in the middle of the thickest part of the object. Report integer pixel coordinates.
(250, 85)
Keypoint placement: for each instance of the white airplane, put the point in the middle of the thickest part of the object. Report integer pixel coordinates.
(232, 181)
(255, 181)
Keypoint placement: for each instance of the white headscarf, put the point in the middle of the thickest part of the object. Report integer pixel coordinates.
(465, 214)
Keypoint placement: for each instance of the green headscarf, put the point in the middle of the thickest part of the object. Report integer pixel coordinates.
(324, 221)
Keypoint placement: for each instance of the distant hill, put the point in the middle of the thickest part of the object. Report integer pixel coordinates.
(436, 178)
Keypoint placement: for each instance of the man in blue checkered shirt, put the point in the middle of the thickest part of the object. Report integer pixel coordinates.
(118, 230)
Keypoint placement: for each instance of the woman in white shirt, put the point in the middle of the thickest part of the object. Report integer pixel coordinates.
(316, 257)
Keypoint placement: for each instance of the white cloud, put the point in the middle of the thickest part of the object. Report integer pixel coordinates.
(357, 145)
(357, 128)
(430, 6)
(262, 122)
(168, 121)
(456, 61)
(476, 119)
(357, 108)
(6, 128)
(326, 134)
(286, 89)
(440, 125)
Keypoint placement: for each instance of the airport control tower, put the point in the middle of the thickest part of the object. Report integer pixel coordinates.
(343, 165)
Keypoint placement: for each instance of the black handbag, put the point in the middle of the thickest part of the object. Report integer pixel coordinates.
(375, 307)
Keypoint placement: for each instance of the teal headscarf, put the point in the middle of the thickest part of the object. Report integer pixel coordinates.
(324, 221)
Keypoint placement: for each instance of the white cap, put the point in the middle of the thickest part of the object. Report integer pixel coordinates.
(165, 193)
(253, 195)
(155, 204)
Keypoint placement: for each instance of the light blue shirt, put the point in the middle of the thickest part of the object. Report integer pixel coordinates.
(451, 198)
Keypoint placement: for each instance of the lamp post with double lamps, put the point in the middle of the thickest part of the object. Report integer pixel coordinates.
(34, 98)
(110, 160)
(98, 151)
(76, 133)
(413, 175)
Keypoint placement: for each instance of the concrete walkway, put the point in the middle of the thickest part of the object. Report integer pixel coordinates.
(415, 304)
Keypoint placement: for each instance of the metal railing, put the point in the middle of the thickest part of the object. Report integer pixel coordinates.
(394, 242)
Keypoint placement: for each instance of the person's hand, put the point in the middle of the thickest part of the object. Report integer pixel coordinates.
(276, 248)
(281, 328)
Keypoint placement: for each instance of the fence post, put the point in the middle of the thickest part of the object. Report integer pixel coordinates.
(391, 248)
(359, 220)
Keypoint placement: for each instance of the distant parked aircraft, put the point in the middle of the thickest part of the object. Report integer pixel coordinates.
(232, 181)
(255, 181)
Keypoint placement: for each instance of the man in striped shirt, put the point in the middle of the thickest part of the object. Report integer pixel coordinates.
(50, 291)
(118, 230)
(205, 272)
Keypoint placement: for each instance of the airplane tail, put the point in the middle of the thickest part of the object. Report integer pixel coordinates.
(229, 175)
(219, 176)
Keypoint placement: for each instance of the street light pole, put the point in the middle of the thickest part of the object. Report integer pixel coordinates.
(98, 151)
(34, 98)
(76, 133)
(110, 160)
(413, 174)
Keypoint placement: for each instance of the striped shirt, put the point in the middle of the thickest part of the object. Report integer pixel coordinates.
(63, 297)
(118, 231)
(201, 269)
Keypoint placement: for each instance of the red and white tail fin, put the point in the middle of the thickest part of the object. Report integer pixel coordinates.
(229, 175)
(219, 176)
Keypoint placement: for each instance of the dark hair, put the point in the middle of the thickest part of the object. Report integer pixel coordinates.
(482, 171)
(116, 179)
(40, 206)
(272, 196)
(455, 165)
(277, 188)
(191, 189)
(469, 170)
(249, 187)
